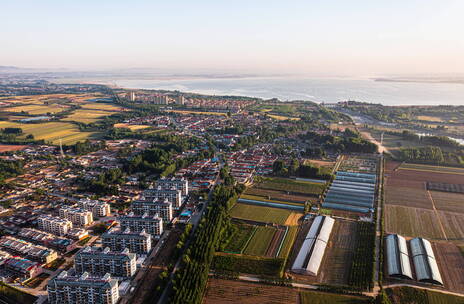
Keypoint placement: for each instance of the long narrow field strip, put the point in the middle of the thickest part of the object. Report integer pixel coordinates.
(101, 106)
(260, 241)
(287, 243)
(260, 214)
(427, 168)
(265, 199)
(291, 185)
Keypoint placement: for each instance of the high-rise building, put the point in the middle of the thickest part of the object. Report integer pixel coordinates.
(151, 224)
(98, 261)
(136, 242)
(173, 183)
(180, 100)
(98, 208)
(153, 207)
(161, 99)
(77, 216)
(54, 225)
(71, 288)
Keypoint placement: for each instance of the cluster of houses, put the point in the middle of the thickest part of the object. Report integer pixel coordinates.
(201, 174)
(245, 164)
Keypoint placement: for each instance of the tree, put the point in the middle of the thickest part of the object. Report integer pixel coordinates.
(278, 166)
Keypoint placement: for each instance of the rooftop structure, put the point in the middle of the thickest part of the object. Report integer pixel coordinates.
(424, 261)
(398, 264)
(312, 251)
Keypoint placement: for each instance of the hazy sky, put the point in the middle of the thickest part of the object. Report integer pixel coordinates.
(344, 37)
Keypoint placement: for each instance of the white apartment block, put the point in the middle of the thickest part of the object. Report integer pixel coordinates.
(151, 224)
(136, 242)
(77, 216)
(99, 261)
(173, 183)
(71, 288)
(55, 225)
(163, 208)
(172, 195)
(98, 208)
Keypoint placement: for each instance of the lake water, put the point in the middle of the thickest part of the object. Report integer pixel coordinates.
(314, 89)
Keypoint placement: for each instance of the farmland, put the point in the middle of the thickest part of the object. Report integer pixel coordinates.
(411, 208)
(51, 131)
(248, 264)
(291, 185)
(37, 109)
(260, 241)
(63, 127)
(450, 262)
(86, 116)
(240, 238)
(224, 291)
(260, 214)
(408, 295)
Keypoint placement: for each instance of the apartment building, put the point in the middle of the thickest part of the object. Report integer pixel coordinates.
(98, 208)
(99, 261)
(178, 183)
(152, 224)
(77, 216)
(72, 288)
(34, 252)
(153, 207)
(54, 225)
(172, 195)
(118, 240)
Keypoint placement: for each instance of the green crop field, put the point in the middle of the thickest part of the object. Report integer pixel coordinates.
(291, 185)
(240, 238)
(260, 214)
(288, 242)
(260, 241)
(51, 131)
(312, 297)
(247, 264)
(265, 199)
(101, 106)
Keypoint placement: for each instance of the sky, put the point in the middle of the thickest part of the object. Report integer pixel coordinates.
(313, 37)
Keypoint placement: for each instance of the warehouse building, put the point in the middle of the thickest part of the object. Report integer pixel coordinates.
(312, 251)
(398, 264)
(424, 261)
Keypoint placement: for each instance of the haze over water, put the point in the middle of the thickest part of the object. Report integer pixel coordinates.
(314, 89)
